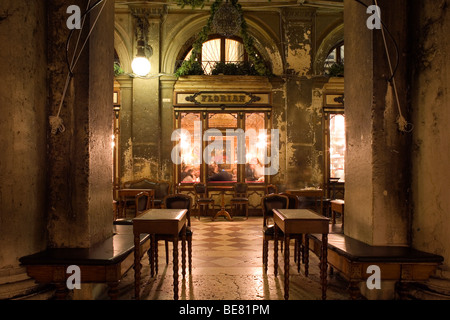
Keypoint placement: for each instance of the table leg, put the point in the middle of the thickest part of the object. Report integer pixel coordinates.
(175, 268)
(183, 252)
(151, 255)
(323, 265)
(275, 250)
(137, 266)
(306, 255)
(222, 211)
(113, 290)
(286, 267)
(61, 291)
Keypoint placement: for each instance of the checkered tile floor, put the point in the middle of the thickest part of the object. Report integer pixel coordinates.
(227, 265)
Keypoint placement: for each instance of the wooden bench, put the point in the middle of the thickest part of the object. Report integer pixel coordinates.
(105, 262)
(352, 258)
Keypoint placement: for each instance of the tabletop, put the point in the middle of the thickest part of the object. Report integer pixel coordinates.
(160, 221)
(300, 221)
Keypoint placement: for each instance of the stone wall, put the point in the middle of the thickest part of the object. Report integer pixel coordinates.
(23, 128)
(430, 79)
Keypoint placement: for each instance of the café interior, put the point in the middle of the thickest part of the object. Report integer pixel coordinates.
(219, 157)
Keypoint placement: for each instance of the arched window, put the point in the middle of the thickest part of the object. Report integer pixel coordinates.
(336, 55)
(220, 49)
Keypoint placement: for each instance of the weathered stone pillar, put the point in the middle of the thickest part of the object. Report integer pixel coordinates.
(23, 125)
(80, 158)
(304, 119)
(377, 161)
(167, 126)
(146, 114)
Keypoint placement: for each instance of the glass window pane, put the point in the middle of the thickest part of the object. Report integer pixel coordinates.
(234, 51)
(256, 147)
(337, 146)
(190, 151)
(222, 120)
(210, 54)
(222, 159)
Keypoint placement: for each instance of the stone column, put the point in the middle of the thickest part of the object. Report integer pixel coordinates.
(376, 181)
(23, 125)
(304, 118)
(80, 210)
(146, 114)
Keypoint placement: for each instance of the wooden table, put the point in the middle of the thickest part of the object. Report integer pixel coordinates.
(160, 221)
(309, 193)
(222, 211)
(126, 194)
(337, 206)
(294, 222)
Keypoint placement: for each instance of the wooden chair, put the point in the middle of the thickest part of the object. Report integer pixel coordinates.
(270, 202)
(240, 197)
(202, 199)
(271, 189)
(143, 202)
(176, 201)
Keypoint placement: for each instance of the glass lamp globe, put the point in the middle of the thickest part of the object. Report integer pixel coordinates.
(141, 66)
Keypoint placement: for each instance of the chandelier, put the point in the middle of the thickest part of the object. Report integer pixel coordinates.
(227, 20)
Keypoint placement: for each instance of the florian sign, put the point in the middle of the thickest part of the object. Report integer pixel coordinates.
(222, 98)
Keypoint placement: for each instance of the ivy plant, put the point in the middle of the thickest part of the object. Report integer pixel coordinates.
(187, 66)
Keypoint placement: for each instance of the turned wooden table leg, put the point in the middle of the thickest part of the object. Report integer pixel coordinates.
(151, 255)
(286, 267)
(137, 266)
(265, 255)
(323, 266)
(113, 290)
(354, 290)
(183, 252)
(189, 240)
(306, 256)
(61, 291)
(175, 268)
(275, 251)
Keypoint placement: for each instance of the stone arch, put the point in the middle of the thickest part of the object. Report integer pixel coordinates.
(184, 34)
(123, 47)
(329, 41)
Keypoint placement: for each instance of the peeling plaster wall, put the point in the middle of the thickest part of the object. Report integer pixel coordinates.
(22, 137)
(431, 116)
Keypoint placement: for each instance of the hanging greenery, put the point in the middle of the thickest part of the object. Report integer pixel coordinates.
(187, 66)
(118, 69)
(336, 70)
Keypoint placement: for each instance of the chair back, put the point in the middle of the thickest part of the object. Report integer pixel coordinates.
(293, 200)
(271, 189)
(240, 189)
(200, 189)
(273, 201)
(306, 203)
(143, 203)
(179, 201)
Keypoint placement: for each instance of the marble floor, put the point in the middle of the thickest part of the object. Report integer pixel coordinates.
(227, 265)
